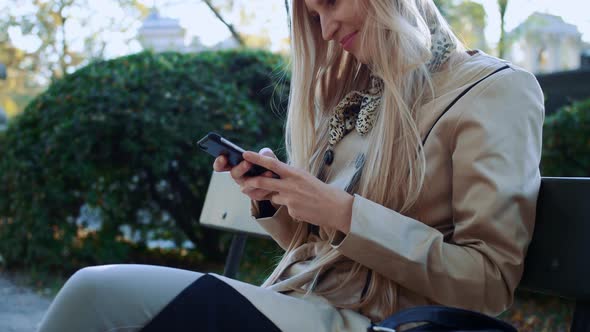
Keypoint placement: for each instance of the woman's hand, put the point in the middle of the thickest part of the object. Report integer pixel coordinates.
(237, 173)
(305, 197)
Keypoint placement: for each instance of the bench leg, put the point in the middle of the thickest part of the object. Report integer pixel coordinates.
(581, 320)
(236, 249)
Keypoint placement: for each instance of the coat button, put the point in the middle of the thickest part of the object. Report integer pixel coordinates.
(328, 157)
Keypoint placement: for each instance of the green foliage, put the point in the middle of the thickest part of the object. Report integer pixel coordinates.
(120, 136)
(468, 20)
(566, 141)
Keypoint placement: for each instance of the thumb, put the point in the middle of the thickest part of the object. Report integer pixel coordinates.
(267, 152)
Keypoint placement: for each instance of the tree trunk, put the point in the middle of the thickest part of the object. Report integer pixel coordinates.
(288, 15)
(502, 43)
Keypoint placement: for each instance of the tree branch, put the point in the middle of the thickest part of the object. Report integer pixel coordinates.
(234, 33)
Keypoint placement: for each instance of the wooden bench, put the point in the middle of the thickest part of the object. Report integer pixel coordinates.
(558, 259)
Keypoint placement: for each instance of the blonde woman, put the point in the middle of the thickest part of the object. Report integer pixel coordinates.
(412, 179)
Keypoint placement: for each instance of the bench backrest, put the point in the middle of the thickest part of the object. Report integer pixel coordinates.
(227, 208)
(556, 259)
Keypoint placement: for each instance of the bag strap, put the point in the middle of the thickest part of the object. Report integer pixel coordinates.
(446, 318)
(459, 97)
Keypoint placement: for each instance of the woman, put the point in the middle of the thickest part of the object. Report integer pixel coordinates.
(412, 179)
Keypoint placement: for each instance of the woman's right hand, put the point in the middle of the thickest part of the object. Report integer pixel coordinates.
(237, 173)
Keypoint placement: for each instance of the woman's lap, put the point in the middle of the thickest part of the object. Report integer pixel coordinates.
(210, 305)
(119, 298)
(298, 312)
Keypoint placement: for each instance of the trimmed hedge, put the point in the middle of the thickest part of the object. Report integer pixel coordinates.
(566, 141)
(120, 136)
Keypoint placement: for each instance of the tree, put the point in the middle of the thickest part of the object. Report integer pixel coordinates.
(502, 4)
(20, 84)
(53, 22)
(288, 14)
(246, 17)
(444, 6)
(468, 20)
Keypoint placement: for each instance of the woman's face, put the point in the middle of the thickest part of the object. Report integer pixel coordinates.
(340, 21)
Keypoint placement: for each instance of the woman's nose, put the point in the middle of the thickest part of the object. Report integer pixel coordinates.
(329, 27)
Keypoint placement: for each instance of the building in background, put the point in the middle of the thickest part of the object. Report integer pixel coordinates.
(585, 57)
(161, 34)
(545, 43)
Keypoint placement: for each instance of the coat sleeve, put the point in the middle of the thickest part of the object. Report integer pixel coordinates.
(496, 150)
(280, 226)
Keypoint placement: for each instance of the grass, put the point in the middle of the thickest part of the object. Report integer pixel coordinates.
(539, 313)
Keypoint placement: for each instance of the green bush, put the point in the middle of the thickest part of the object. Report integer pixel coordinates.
(566, 141)
(120, 136)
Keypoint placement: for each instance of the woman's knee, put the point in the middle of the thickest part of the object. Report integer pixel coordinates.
(116, 295)
(129, 283)
(79, 291)
(83, 280)
(86, 283)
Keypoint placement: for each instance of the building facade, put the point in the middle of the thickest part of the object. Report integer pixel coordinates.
(545, 43)
(161, 34)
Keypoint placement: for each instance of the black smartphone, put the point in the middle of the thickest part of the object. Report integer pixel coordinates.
(216, 145)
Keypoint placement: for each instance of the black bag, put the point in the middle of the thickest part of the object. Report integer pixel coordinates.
(442, 319)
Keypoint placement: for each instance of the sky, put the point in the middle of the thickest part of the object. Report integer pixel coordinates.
(198, 20)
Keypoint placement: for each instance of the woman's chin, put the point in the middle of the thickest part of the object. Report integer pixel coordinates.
(355, 51)
(359, 56)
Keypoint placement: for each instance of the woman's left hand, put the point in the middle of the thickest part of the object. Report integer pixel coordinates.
(305, 196)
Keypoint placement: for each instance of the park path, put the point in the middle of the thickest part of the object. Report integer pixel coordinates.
(21, 309)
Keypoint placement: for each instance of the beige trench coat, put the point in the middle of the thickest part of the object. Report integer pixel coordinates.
(464, 242)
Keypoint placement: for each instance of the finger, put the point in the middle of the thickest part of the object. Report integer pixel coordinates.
(261, 182)
(257, 194)
(269, 163)
(220, 164)
(276, 200)
(267, 152)
(238, 171)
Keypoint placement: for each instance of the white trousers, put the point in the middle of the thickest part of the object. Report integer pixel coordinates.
(124, 298)
(114, 298)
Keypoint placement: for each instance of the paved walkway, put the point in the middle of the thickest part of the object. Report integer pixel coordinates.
(20, 308)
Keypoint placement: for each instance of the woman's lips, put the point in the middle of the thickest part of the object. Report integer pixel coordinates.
(347, 41)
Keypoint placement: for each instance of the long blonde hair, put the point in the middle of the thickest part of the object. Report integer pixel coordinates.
(397, 37)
